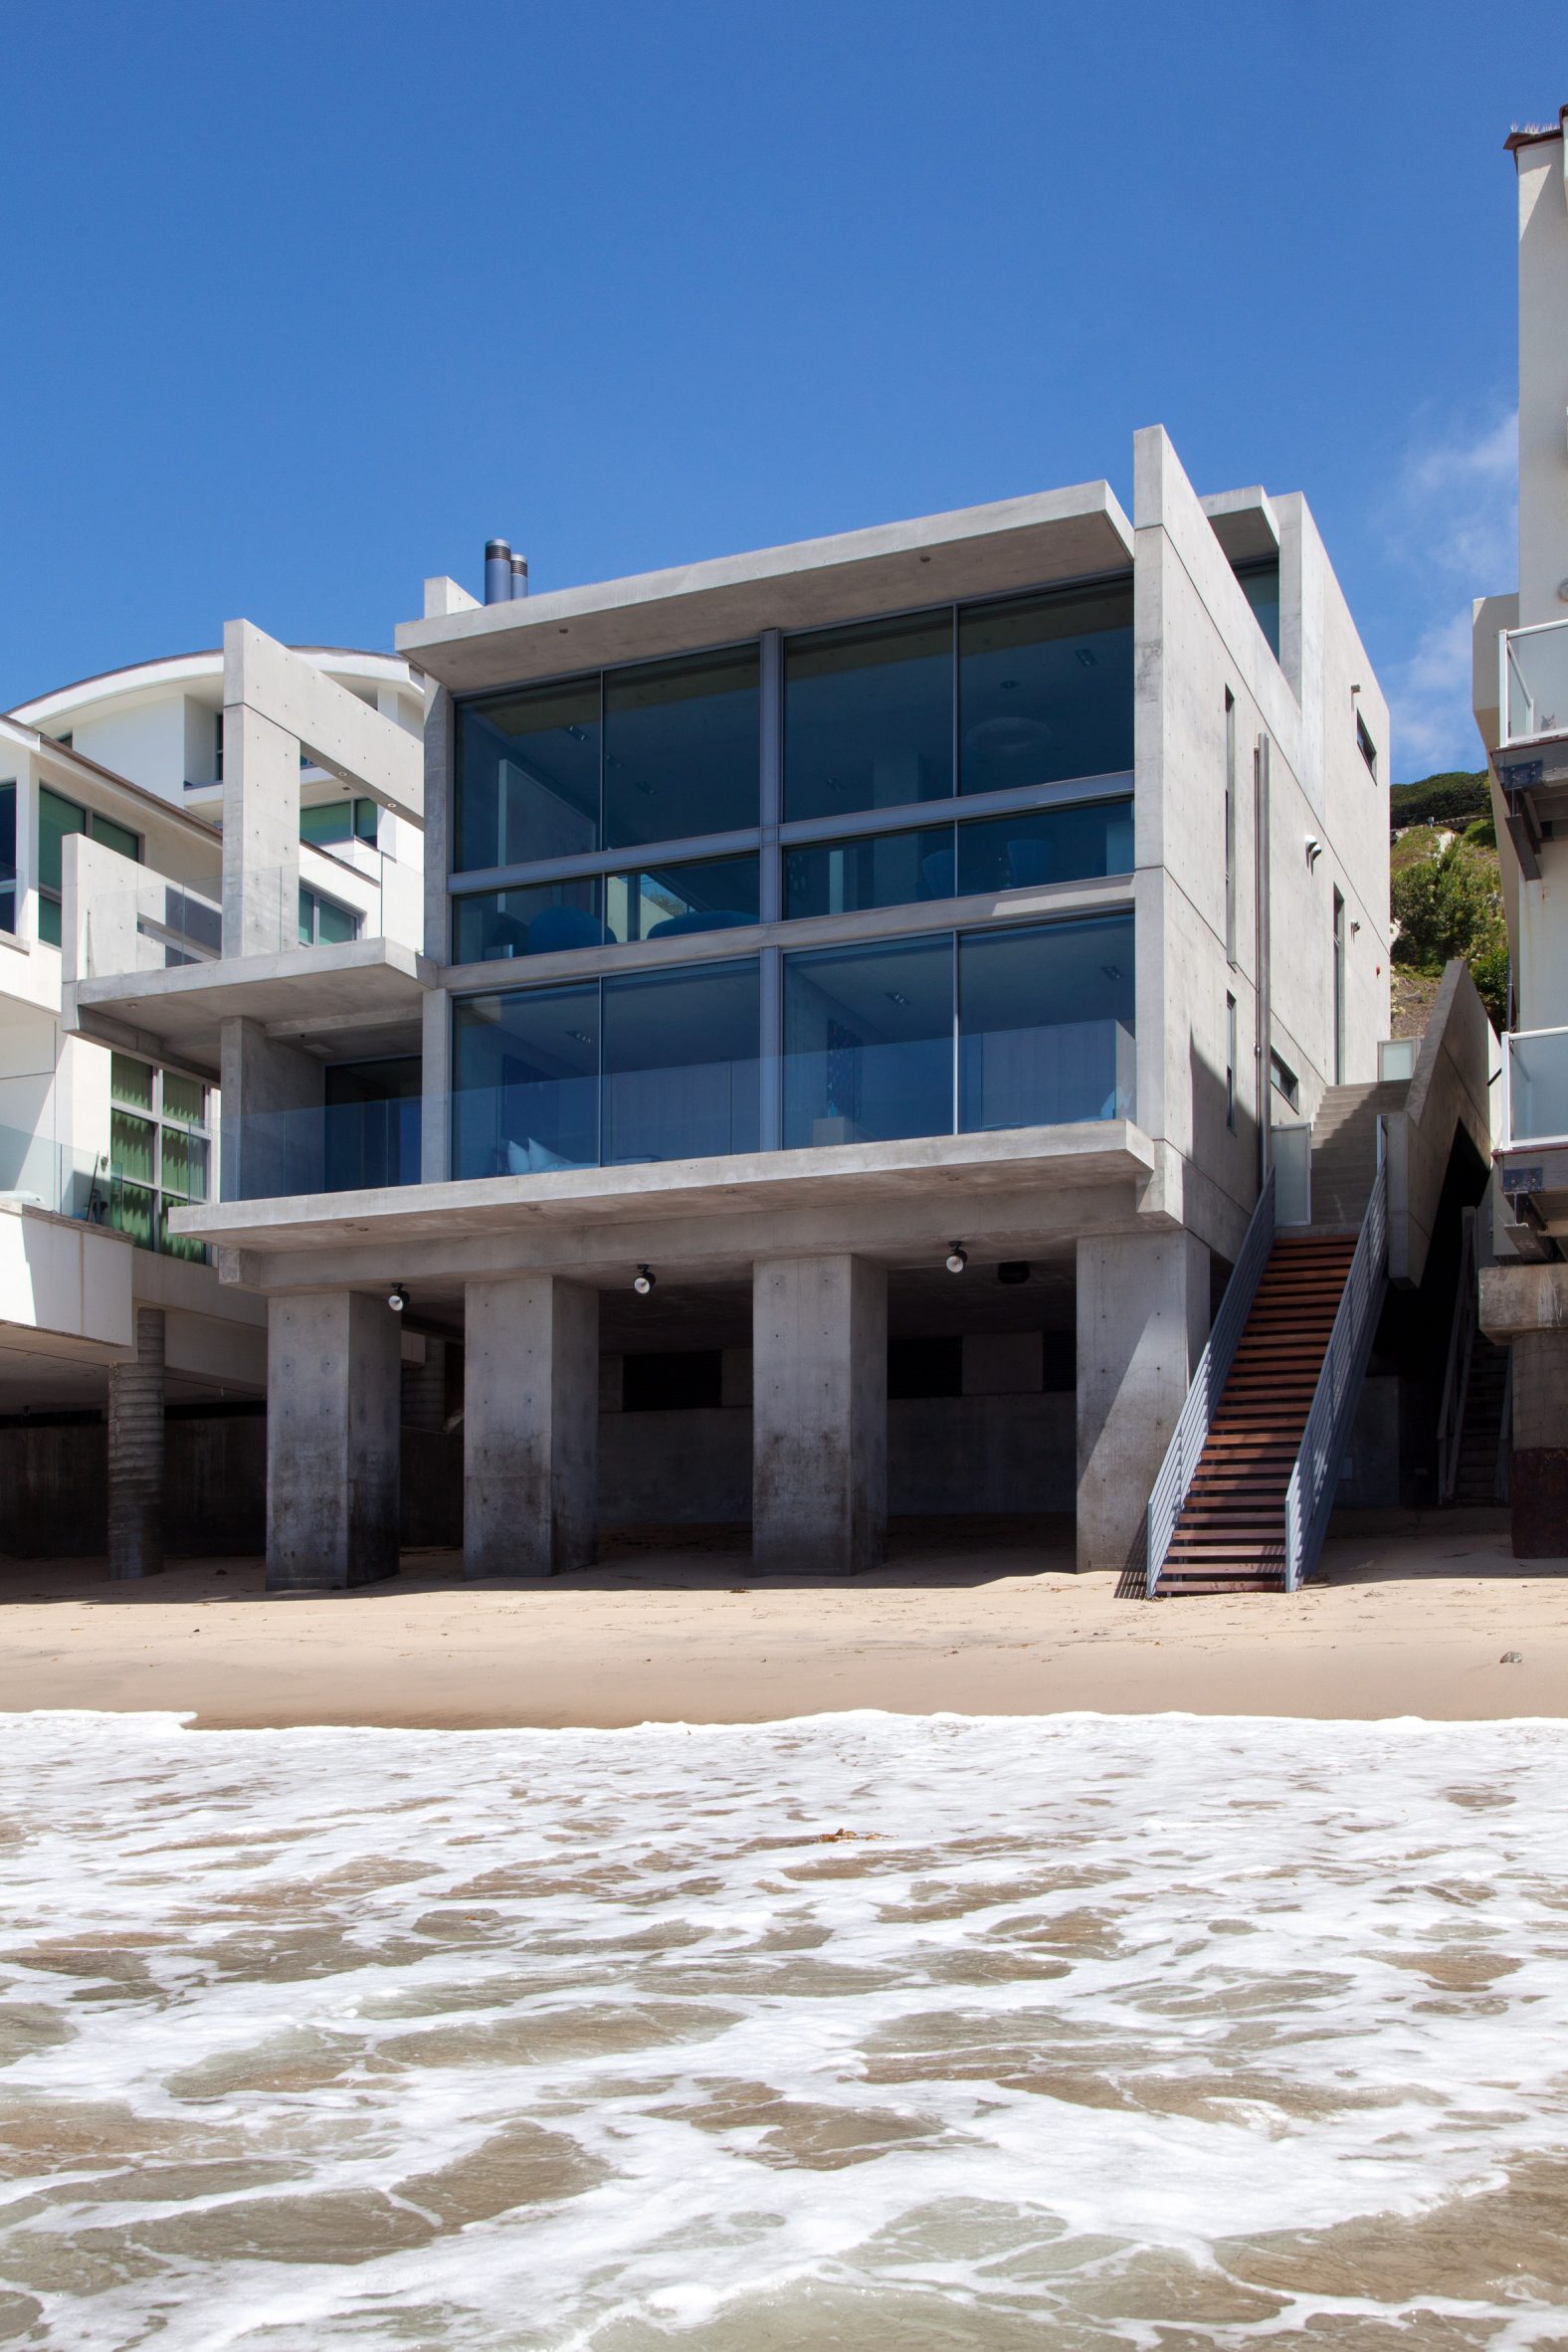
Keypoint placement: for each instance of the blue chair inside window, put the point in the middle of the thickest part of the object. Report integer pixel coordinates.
(560, 928)
(700, 918)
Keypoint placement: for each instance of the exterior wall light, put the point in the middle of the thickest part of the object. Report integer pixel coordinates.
(1315, 849)
(643, 1280)
(957, 1258)
(396, 1299)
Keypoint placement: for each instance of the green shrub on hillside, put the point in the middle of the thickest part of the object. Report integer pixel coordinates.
(1454, 798)
(1452, 905)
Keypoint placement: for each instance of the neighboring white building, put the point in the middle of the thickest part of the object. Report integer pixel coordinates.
(111, 850)
(1522, 710)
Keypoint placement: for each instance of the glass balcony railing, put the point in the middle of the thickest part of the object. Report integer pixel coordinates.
(1535, 686)
(1535, 1087)
(38, 1173)
(344, 1147)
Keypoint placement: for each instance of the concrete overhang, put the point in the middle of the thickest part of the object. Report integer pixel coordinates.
(1014, 543)
(1245, 524)
(954, 1173)
(317, 993)
(1517, 1302)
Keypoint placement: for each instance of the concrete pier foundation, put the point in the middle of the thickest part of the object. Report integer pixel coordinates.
(1142, 1321)
(818, 1478)
(135, 1453)
(334, 1363)
(1540, 1446)
(530, 1429)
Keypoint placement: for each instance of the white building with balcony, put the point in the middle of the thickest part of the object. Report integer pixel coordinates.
(112, 797)
(1522, 708)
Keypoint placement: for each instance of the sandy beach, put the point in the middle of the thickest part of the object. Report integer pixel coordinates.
(1417, 1624)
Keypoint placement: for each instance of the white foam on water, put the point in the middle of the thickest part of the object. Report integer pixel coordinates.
(1160, 2031)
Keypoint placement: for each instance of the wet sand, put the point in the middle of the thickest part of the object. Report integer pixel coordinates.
(1407, 1624)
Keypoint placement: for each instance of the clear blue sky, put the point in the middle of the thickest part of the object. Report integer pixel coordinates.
(305, 302)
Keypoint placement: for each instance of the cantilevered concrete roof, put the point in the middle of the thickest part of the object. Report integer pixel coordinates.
(1027, 542)
(317, 995)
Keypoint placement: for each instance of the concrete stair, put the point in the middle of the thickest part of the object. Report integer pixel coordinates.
(1344, 1148)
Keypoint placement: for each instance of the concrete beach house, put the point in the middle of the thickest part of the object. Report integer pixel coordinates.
(875, 999)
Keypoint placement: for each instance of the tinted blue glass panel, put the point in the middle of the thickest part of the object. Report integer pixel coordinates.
(868, 716)
(883, 870)
(543, 919)
(682, 748)
(527, 776)
(525, 1081)
(1261, 587)
(681, 1074)
(667, 901)
(1045, 688)
(1045, 1024)
(1046, 846)
(868, 1043)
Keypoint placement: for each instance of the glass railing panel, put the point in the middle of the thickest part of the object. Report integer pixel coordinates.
(1045, 1073)
(154, 927)
(532, 1128)
(1536, 682)
(1538, 1086)
(341, 1147)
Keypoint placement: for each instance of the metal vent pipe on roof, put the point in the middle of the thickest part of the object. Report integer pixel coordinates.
(519, 575)
(498, 571)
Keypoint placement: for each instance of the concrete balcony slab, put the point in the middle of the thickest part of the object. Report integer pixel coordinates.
(325, 993)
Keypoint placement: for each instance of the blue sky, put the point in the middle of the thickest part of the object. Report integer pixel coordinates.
(305, 302)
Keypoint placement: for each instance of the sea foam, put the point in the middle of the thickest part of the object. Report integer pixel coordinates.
(1159, 2033)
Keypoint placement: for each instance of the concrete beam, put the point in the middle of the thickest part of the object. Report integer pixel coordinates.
(530, 1426)
(819, 1407)
(341, 735)
(1142, 1321)
(334, 1379)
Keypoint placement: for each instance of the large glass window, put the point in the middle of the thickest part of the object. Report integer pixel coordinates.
(8, 857)
(868, 716)
(323, 923)
(1045, 688)
(868, 1043)
(1261, 587)
(371, 1123)
(682, 748)
(667, 901)
(57, 816)
(540, 920)
(525, 1081)
(681, 1074)
(333, 821)
(882, 870)
(1045, 1024)
(1046, 846)
(158, 1152)
(527, 776)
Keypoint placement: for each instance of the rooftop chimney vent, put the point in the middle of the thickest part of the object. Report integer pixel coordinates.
(498, 571)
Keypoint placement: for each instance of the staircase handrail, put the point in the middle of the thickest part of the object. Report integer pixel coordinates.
(1314, 1476)
(1188, 1438)
(1455, 1378)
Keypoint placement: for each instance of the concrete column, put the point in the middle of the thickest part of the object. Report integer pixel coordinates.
(1540, 1446)
(135, 1453)
(263, 1154)
(261, 834)
(530, 1426)
(1142, 1320)
(819, 1447)
(334, 1383)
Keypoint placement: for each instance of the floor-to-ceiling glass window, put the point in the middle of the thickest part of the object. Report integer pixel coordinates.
(868, 716)
(680, 1051)
(682, 746)
(1045, 1024)
(868, 1043)
(525, 1081)
(1045, 688)
(527, 776)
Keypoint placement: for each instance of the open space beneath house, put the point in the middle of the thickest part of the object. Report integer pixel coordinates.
(1412, 1615)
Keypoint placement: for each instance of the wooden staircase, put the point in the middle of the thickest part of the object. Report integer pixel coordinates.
(1480, 1432)
(1229, 1536)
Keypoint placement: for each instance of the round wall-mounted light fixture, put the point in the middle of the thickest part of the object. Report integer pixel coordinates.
(957, 1258)
(643, 1280)
(396, 1299)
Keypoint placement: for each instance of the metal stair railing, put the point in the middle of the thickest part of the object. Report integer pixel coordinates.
(1191, 1434)
(1456, 1379)
(1314, 1476)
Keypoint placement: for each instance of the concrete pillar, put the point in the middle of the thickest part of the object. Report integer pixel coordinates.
(530, 1426)
(333, 1366)
(819, 1447)
(1540, 1446)
(1142, 1321)
(260, 833)
(135, 1453)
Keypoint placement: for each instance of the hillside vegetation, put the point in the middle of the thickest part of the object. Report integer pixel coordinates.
(1446, 890)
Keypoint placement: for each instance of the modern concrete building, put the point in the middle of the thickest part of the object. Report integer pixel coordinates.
(116, 1338)
(863, 985)
(1522, 708)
